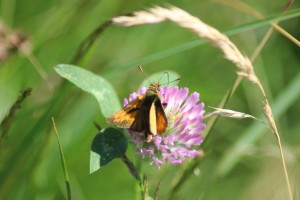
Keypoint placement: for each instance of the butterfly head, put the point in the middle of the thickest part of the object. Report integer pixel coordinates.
(154, 86)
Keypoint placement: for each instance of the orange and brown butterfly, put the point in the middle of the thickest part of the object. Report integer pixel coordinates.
(144, 114)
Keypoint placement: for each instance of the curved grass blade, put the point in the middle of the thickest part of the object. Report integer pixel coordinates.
(63, 161)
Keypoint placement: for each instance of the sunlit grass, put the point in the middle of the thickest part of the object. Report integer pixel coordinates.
(30, 165)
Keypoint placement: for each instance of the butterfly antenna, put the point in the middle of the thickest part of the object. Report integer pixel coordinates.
(141, 69)
(177, 79)
(167, 75)
(168, 79)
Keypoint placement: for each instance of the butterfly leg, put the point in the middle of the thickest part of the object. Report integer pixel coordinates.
(148, 137)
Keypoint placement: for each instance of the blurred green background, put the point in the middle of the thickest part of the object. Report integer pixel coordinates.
(242, 160)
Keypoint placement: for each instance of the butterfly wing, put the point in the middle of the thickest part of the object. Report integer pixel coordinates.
(151, 118)
(146, 118)
(161, 119)
(141, 124)
(143, 114)
(128, 115)
(137, 125)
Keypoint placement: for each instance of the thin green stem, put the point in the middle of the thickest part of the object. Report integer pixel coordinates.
(131, 168)
(63, 162)
(142, 184)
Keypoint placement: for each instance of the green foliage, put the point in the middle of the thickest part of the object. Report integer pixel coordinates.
(241, 157)
(107, 145)
(93, 84)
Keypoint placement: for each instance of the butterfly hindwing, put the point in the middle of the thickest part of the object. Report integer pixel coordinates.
(152, 119)
(141, 124)
(161, 119)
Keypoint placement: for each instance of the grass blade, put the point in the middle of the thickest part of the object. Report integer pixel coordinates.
(63, 162)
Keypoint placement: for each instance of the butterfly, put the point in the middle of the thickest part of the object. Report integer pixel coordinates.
(144, 114)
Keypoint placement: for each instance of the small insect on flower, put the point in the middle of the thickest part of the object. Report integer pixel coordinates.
(183, 134)
(143, 114)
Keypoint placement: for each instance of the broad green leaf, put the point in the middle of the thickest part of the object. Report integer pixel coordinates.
(165, 78)
(107, 145)
(93, 84)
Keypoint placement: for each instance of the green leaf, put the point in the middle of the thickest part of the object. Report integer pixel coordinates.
(107, 145)
(93, 84)
(162, 77)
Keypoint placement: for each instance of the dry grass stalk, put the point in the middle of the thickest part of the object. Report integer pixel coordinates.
(269, 116)
(12, 42)
(185, 20)
(266, 106)
(228, 113)
(233, 114)
(231, 52)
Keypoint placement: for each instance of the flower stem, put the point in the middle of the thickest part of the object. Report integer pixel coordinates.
(134, 172)
(131, 168)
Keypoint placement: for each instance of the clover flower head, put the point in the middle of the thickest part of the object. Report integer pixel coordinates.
(184, 131)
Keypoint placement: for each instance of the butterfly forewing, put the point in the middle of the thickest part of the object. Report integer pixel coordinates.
(128, 115)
